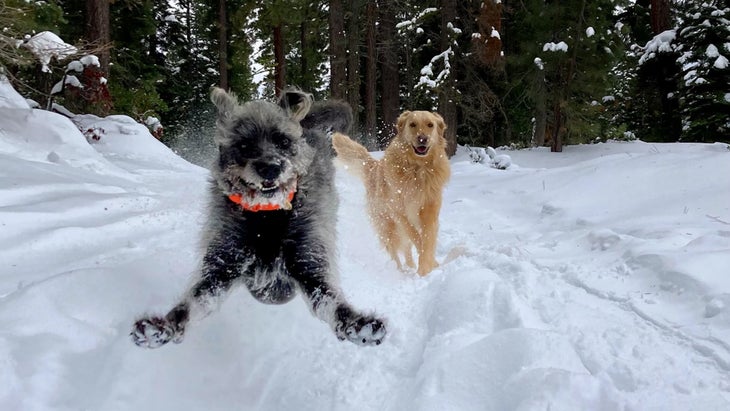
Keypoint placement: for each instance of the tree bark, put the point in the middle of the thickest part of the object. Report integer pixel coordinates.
(371, 73)
(489, 19)
(279, 63)
(304, 45)
(564, 89)
(447, 96)
(390, 81)
(660, 16)
(666, 84)
(353, 60)
(538, 138)
(98, 31)
(338, 49)
(222, 45)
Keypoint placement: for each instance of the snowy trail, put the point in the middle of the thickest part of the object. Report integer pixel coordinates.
(592, 280)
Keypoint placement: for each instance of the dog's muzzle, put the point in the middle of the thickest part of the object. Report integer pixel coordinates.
(269, 171)
(421, 147)
(279, 197)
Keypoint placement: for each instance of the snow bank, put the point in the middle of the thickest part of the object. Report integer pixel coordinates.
(594, 279)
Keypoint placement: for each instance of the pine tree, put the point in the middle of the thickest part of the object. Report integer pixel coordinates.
(136, 62)
(703, 41)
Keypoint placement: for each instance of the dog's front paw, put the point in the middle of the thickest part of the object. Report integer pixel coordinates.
(358, 328)
(154, 332)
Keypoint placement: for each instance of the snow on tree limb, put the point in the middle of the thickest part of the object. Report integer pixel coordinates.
(46, 45)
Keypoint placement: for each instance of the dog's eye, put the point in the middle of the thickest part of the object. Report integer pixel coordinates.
(430, 125)
(412, 125)
(281, 141)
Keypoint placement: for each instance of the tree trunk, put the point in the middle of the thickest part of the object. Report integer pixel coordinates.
(338, 49)
(353, 60)
(97, 30)
(279, 63)
(223, 45)
(556, 145)
(660, 16)
(447, 96)
(389, 96)
(667, 70)
(563, 90)
(304, 46)
(370, 73)
(489, 20)
(538, 138)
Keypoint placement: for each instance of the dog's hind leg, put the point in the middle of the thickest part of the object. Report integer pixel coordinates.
(308, 264)
(221, 268)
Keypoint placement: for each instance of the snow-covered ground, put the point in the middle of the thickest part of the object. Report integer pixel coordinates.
(595, 279)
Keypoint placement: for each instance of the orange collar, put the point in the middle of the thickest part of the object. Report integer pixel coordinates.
(238, 199)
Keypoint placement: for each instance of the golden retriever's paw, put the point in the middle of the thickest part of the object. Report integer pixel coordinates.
(358, 328)
(426, 267)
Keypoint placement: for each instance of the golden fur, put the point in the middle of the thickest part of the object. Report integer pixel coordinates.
(404, 188)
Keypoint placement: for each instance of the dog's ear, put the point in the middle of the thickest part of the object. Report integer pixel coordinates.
(296, 103)
(224, 102)
(402, 121)
(440, 123)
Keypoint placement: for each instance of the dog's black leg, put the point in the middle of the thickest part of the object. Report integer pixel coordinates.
(308, 264)
(222, 266)
(156, 331)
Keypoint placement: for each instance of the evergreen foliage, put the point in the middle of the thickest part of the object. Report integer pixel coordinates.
(704, 48)
(523, 73)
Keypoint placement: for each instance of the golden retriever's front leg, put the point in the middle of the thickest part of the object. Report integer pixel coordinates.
(390, 238)
(428, 216)
(409, 236)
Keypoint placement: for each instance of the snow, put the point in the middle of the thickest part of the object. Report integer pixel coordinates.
(76, 66)
(590, 32)
(712, 51)
(426, 79)
(721, 63)
(67, 79)
(46, 46)
(661, 43)
(561, 46)
(539, 63)
(593, 279)
(453, 28)
(90, 60)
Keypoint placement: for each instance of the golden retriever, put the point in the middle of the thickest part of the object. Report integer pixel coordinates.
(404, 188)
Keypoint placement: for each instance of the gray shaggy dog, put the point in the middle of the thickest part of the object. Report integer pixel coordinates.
(272, 218)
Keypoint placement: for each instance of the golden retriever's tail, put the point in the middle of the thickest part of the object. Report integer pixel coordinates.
(353, 154)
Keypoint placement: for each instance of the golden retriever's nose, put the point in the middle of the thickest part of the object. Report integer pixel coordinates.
(422, 140)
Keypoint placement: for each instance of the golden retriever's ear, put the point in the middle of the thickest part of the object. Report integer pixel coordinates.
(402, 121)
(440, 123)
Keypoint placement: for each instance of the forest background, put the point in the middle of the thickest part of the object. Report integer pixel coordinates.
(520, 73)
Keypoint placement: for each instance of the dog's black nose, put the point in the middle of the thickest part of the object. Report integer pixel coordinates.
(268, 171)
(422, 140)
